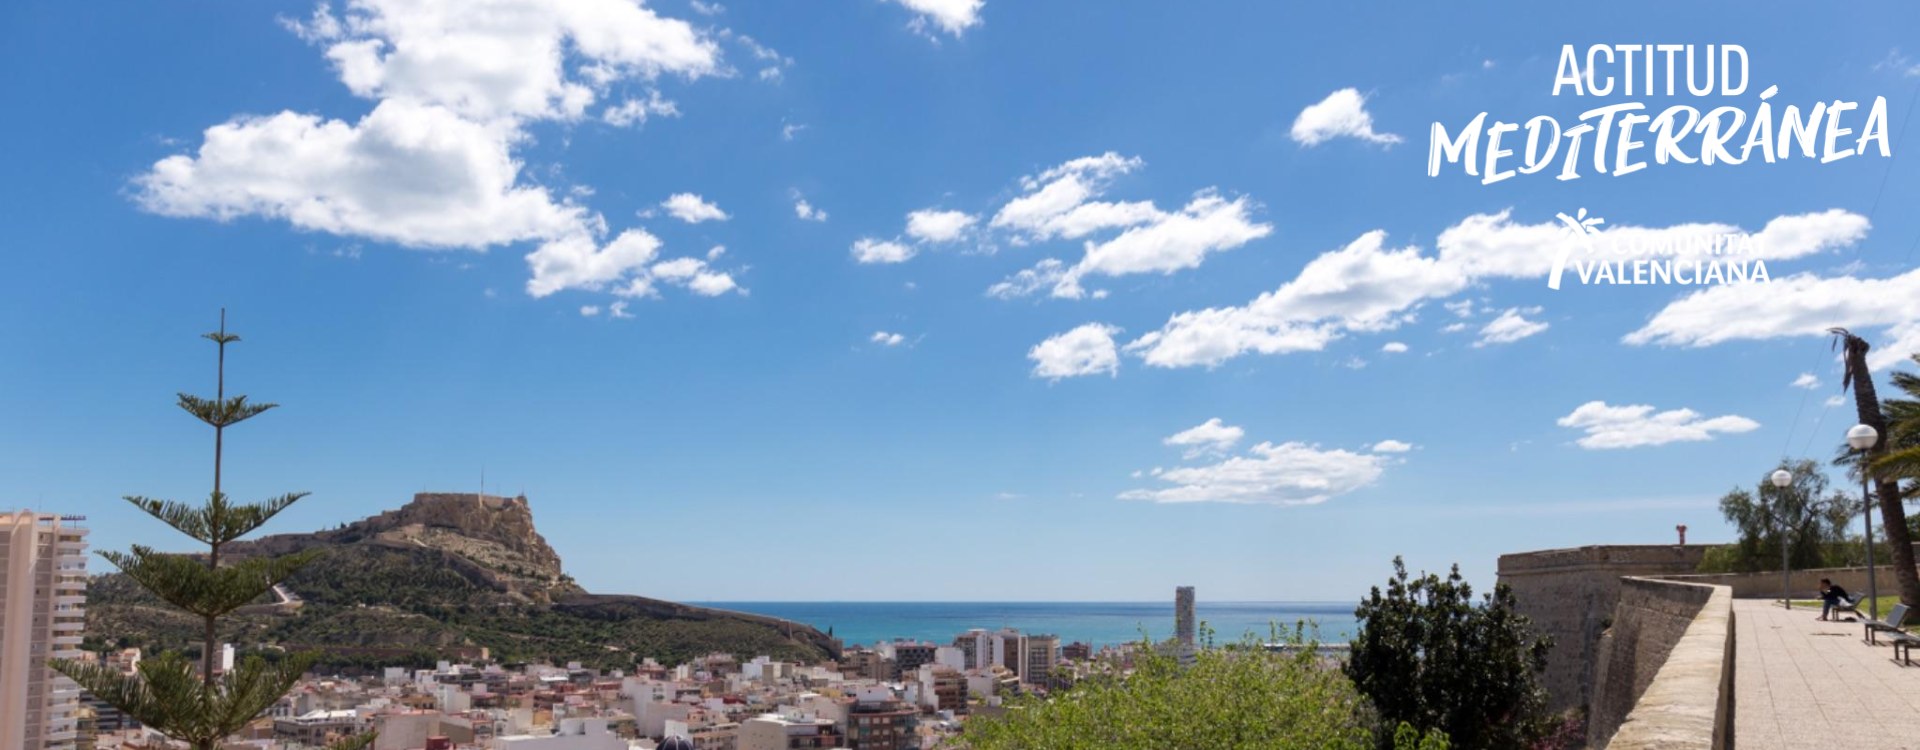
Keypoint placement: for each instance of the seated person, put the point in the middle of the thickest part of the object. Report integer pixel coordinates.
(1831, 596)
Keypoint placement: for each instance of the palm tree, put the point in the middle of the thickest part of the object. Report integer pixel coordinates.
(203, 710)
(1893, 512)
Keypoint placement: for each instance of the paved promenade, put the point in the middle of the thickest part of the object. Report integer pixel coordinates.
(1801, 683)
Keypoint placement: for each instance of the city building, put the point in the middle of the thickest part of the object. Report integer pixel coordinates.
(909, 655)
(43, 582)
(1041, 656)
(1183, 623)
(776, 732)
(318, 727)
(881, 721)
(572, 734)
(1076, 651)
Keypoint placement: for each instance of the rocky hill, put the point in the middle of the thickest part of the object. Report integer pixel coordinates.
(445, 576)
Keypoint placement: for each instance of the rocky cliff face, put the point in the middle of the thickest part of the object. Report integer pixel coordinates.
(456, 571)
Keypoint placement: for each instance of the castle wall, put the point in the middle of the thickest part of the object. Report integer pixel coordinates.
(1570, 594)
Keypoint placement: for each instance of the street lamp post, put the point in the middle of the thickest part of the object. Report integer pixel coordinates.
(1782, 479)
(1861, 437)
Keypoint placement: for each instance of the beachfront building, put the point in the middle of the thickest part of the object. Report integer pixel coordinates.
(43, 582)
(1041, 656)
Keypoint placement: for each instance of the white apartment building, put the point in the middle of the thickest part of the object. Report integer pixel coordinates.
(43, 594)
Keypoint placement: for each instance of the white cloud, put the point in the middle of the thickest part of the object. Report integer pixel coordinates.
(1609, 427)
(934, 225)
(1367, 286)
(588, 311)
(952, 16)
(1364, 286)
(1798, 305)
(1208, 223)
(1342, 113)
(1512, 325)
(1211, 436)
(707, 9)
(804, 210)
(869, 250)
(1086, 350)
(885, 338)
(693, 274)
(406, 173)
(692, 209)
(1806, 380)
(791, 129)
(1394, 347)
(1833, 401)
(1056, 201)
(1392, 446)
(626, 266)
(432, 165)
(636, 111)
(1284, 474)
(509, 59)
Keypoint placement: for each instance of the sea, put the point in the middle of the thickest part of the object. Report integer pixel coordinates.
(1095, 623)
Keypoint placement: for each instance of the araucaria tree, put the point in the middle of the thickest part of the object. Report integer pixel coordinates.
(1429, 656)
(203, 709)
(1893, 514)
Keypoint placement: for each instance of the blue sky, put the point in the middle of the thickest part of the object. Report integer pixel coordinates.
(409, 214)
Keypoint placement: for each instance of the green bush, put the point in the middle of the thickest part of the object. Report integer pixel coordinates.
(1238, 698)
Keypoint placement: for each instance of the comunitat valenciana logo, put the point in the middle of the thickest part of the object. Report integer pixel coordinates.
(1628, 257)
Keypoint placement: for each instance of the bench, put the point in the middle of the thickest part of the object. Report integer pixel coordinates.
(1895, 618)
(1903, 647)
(1850, 605)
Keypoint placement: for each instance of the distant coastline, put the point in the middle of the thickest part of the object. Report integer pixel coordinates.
(1095, 623)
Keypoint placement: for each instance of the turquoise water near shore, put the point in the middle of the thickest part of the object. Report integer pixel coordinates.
(1098, 623)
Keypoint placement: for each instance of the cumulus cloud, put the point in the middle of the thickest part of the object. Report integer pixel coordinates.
(628, 266)
(870, 250)
(934, 225)
(1086, 350)
(1806, 380)
(1511, 325)
(1268, 474)
(1392, 446)
(1058, 202)
(508, 59)
(692, 208)
(1062, 203)
(636, 111)
(1394, 347)
(1609, 427)
(885, 338)
(1798, 305)
(432, 165)
(804, 210)
(1211, 436)
(407, 173)
(951, 16)
(1343, 114)
(1367, 286)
